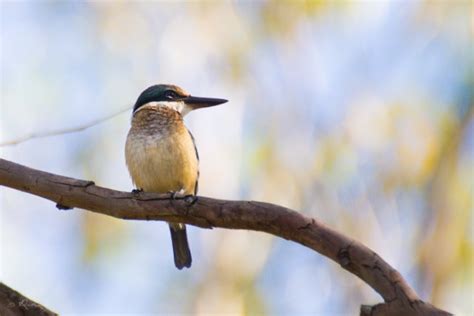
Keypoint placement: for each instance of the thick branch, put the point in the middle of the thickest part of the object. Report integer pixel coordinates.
(399, 297)
(13, 303)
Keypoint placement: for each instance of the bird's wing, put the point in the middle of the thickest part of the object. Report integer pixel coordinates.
(197, 157)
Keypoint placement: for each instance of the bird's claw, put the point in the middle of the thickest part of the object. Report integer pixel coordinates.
(190, 199)
(173, 195)
(176, 195)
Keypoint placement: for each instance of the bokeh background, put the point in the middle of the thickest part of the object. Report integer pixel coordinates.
(357, 113)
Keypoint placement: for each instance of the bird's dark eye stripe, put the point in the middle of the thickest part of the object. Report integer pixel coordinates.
(170, 94)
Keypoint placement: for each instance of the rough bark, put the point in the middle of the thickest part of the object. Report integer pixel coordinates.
(13, 303)
(399, 298)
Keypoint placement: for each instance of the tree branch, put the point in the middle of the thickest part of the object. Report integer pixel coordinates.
(399, 297)
(13, 303)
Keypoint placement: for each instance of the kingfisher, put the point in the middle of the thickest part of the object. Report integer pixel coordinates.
(161, 153)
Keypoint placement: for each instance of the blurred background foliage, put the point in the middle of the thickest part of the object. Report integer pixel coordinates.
(357, 113)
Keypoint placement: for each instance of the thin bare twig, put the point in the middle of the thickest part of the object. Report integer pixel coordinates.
(63, 130)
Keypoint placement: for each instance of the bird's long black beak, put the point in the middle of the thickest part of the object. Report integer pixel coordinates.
(199, 102)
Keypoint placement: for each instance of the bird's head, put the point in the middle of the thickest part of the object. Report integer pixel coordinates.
(173, 97)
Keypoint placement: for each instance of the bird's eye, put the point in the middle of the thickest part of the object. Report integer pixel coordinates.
(170, 94)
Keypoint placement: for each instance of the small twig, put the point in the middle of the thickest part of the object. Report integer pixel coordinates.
(62, 131)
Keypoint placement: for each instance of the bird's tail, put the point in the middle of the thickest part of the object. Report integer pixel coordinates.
(182, 254)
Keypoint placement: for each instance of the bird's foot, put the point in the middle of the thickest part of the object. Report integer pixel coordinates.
(136, 192)
(176, 195)
(190, 199)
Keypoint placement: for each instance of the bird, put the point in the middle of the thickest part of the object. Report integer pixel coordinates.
(161, 154)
